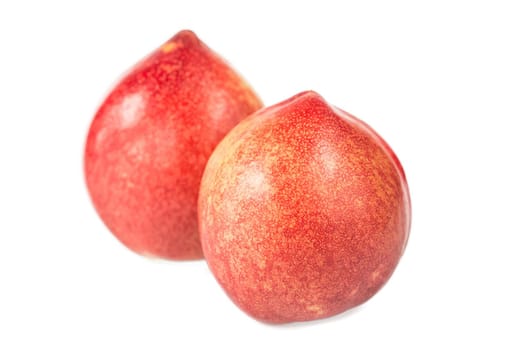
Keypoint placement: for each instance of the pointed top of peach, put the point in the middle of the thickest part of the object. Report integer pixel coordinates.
(307, 95)
(303, 101)
(181, 39)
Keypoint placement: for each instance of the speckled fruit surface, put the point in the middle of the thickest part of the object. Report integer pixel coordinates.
(304, 211)
(149, 142)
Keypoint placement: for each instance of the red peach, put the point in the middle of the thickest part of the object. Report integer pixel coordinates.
(149, 142)
(304, 211)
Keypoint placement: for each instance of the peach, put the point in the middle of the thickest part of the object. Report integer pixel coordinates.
(149, 142)
(304, 211)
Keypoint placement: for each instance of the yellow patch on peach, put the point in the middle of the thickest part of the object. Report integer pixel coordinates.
(315, 308)
(170, 46)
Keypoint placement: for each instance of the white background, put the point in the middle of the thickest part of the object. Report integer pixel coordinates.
(443, 83)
